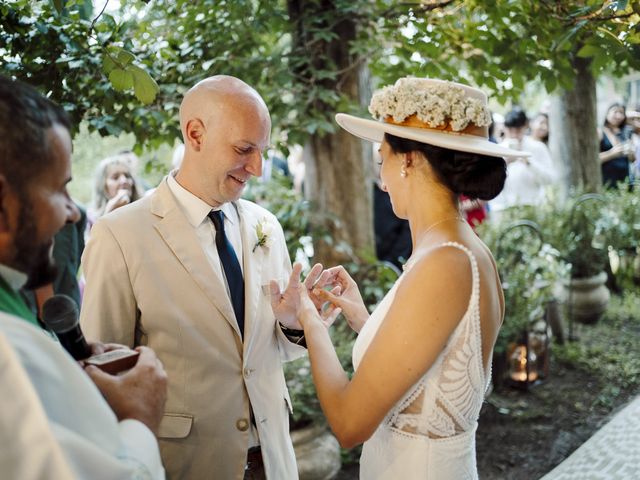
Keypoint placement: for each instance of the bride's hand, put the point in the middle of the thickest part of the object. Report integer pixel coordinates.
(344, 295)
(294, 306)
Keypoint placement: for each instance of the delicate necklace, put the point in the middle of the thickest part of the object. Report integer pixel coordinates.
(431, 227)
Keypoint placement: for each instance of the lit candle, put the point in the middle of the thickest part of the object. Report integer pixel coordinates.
(519, 365)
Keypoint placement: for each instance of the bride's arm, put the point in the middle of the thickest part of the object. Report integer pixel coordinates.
(428, 305)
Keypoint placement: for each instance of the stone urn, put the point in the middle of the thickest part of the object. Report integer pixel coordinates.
(317, 453)
(586, 298)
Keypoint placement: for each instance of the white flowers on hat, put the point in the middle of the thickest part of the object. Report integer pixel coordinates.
(442, 104)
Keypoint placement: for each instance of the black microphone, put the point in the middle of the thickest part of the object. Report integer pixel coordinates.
(60, 313)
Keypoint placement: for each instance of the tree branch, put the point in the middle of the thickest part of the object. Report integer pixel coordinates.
(420, 6)
(93, 23)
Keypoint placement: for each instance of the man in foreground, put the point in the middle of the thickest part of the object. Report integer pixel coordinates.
(104, 432)
(186, 271)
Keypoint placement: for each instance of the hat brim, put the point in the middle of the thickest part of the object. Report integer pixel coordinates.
(374, 132)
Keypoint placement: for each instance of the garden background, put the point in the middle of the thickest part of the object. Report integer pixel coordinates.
(121, 68)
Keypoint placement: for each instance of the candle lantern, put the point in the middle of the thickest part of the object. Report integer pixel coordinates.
(523, 260)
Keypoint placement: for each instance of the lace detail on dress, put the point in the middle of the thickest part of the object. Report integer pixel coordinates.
(451, 392)
(447, 400)
(430, 432)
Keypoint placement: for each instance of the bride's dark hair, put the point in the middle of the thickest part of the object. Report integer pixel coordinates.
(470, 174)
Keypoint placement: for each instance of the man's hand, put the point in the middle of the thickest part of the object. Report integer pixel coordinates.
(297, 300)
(139, 394)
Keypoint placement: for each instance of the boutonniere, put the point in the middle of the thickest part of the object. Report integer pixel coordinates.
(263, 233)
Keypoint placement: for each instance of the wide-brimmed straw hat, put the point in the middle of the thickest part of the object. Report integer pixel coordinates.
(445, 114)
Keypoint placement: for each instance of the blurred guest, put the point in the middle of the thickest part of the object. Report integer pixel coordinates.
(114, 187)
(527, 178)
(274, 163)
(134, 167)
(496, 129)
(616, 148)
(539, 127)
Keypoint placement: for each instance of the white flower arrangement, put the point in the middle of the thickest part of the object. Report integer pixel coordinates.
(439, 105)
(264, 231)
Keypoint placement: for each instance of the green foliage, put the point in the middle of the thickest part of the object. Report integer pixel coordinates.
(609, 349)
(529, 269)
(504, 45)
(572, 238)
(578, 227)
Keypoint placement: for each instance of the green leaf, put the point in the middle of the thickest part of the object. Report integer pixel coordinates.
(125, 57)
(108, 64)
(589, 51)
(121, 79)
(144, 86)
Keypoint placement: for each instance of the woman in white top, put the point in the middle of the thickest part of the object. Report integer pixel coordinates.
(422, 358)
(528, 178)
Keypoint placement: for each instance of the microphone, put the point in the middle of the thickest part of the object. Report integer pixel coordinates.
(60, 313)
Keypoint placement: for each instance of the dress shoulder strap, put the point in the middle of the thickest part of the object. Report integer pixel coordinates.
(475, 275)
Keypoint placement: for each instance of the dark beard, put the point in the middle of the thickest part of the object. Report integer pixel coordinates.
(32, 258)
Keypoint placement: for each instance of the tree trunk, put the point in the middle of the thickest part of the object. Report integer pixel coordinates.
(573, 127)
(338, 172)
(339, 185)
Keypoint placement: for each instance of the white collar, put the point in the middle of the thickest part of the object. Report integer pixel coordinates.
(13, 277)
(194, 208)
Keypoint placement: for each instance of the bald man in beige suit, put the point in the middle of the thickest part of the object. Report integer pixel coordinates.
(155, 277)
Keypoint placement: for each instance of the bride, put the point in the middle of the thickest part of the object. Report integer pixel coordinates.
(422, 359)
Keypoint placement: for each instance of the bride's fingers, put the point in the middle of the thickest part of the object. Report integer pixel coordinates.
(328, 277)
(313, 276)
(332, 296)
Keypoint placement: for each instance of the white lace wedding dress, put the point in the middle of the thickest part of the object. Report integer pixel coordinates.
(430, 433)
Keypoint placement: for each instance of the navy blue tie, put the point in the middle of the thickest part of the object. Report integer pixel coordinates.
(231, 268)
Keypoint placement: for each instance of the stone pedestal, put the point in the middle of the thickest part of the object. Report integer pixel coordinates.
(317, 453)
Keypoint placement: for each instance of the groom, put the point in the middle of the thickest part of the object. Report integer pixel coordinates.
(185, 272)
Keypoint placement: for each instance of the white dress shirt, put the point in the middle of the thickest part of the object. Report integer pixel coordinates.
(29, 448)
(95, 444)
(527, 179)
(197, 210)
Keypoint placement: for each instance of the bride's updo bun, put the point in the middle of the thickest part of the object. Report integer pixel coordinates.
(470, 174)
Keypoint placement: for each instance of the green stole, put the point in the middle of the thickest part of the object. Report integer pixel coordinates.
(11, 302)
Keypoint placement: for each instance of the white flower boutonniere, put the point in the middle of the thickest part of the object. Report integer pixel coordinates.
(263, 233)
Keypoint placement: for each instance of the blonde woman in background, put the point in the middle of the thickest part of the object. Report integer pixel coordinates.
(115, 186)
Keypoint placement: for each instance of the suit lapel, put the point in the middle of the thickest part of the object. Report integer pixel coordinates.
(180, 237)
(252, 262)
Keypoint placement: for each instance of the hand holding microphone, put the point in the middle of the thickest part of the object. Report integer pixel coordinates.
(139, 393)
(60, 314)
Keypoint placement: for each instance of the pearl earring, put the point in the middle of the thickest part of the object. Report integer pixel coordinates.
(403, 172)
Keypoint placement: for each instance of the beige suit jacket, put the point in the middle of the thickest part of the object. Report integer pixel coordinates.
(148, 282)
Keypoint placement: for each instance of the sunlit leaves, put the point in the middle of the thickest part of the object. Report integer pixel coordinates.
(500, 40)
